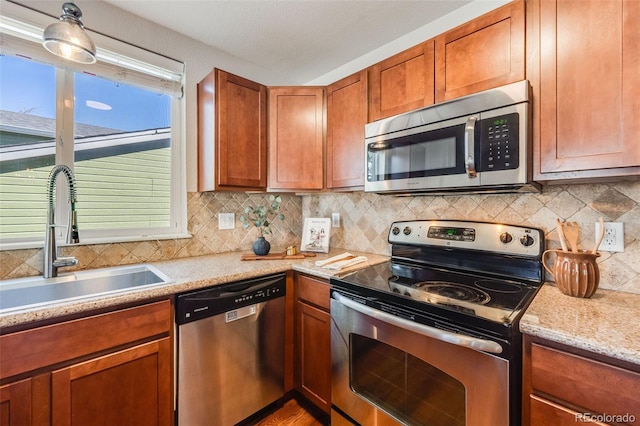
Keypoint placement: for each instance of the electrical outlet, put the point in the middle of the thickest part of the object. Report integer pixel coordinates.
(613, 239)
(335, 220)
(226, 220)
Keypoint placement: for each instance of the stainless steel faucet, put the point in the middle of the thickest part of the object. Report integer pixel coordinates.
(51, 260)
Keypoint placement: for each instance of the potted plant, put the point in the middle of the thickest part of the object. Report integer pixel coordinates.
(261, 217)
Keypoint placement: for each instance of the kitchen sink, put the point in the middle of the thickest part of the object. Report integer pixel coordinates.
(23, 293)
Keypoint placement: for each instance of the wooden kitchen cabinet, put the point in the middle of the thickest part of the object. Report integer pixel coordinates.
(346, 118)
(402, 82)
(484, 53)
(584, 68)
(296, 138)
(312, 371)
(232, 133)
(15, 403)
(109, 368)
(561, 384)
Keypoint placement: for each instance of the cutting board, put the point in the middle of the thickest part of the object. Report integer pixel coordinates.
(276, 256)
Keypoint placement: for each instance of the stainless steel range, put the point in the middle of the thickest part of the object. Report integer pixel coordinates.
(431, 337)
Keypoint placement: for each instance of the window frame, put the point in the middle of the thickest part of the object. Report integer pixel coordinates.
(116, 55)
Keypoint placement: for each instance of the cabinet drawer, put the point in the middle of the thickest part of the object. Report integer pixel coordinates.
(314, 291)
(594, 385)
(43, 346)
(545, 413)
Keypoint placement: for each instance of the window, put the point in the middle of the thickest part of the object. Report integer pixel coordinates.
(116, 123)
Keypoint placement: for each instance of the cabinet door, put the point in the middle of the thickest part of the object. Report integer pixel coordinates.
(587, 85)
(296, 138)
(402, 82)
(484, 53)
(132, 387)
(232, 133)
(15, 403)
(314, 355)
(346, 118)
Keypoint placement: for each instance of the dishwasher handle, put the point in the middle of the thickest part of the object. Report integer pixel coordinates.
(222, 298)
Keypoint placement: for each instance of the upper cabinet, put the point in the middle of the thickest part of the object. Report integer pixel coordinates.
(585, 71)
(484, 53)
(402, 82)
(232, 133)
(296, 138)
(346, 118)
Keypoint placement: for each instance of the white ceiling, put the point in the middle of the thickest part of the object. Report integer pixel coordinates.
(302, 39)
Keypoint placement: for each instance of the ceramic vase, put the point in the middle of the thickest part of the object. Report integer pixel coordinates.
(261, 247)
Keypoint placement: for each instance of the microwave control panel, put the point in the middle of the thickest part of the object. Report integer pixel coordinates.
(499, 149)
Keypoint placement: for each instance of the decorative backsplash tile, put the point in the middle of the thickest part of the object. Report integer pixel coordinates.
(365, 221)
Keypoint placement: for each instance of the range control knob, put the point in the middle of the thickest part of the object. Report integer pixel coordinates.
(395, 230)
(527, 240)
(406, 230)
(506, 238)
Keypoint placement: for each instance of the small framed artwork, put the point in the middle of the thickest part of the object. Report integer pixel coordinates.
(315, 234)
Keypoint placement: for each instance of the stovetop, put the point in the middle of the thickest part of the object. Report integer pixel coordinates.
(479, 296)
(476, 274)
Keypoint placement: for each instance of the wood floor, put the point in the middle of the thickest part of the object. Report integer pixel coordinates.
(294, 412)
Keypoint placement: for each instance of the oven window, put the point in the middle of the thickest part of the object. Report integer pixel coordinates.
(405, 387)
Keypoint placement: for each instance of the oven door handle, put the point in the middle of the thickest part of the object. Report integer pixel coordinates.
(425, 330)
(470, 147)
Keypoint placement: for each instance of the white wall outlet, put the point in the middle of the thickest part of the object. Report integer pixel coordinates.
(226, 220)
(613, 240)
(335, 220)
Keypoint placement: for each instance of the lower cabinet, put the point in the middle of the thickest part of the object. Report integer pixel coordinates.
(563, 386)
(112, 368)
(312, 371)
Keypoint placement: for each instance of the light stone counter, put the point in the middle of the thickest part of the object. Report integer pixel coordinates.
(187, 274)
(606, 324)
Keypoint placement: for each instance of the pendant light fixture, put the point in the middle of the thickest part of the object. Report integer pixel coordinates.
(67, 38)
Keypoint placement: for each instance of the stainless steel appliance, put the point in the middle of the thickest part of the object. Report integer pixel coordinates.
(431, 337)
(230, 351)
(479, 142)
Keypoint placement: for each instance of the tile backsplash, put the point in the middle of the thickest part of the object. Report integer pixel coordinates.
(365, 220)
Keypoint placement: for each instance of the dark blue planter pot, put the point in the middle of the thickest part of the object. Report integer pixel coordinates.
(261, 247)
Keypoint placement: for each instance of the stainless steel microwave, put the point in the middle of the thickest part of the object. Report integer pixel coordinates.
(477, 143)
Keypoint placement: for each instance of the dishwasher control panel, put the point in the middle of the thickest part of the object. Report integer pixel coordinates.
(227, 297)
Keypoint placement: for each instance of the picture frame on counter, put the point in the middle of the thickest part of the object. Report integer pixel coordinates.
(315, 234)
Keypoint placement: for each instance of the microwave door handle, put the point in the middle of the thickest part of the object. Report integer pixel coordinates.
(469, 147)
(425, 330)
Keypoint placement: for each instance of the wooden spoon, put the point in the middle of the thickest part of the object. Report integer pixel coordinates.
(572, 233)
(563, 242)
(600, 236)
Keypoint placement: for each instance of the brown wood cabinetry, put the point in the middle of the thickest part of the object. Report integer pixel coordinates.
(296, 138)
(484, 53)
(402, 82)
(584, 67)
(561, 387)
(312, 372)
(111, 368)
(232, 133)
(346, 118)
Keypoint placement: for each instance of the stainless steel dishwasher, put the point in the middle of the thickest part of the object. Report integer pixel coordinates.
(230, 350)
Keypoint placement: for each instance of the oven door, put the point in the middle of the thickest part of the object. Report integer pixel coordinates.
(392, 371)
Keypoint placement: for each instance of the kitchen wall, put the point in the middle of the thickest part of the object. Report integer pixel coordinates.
(366, 219)
(202, 211)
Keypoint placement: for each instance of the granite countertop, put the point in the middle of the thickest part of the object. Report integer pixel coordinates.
(188, 274)
(605, 324)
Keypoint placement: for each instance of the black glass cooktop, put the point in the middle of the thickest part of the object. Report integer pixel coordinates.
(479, 296)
